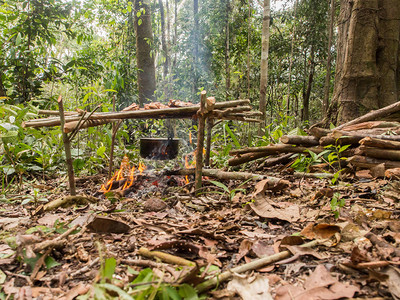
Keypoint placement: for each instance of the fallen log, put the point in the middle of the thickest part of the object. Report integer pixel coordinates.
(223, 175)
(276, 149)
(373, 115)
(379, 153)
(319, 132)
(371, 125)
(282, 159)
(369, 162)
(340, 141)
(300, 140)
(379, 143)
(246, 158)
(339, 137)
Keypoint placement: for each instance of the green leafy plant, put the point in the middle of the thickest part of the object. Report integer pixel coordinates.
(145, 286)
(336, 204)
(334, 157)
(35, 197)
(303, 162)
(229, 192)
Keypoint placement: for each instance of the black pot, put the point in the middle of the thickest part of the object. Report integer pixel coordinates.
(159, 148)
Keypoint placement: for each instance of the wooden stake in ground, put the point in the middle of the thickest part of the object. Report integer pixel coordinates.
(200, 142)
(67, 149)
(209, 107)
(210, 124)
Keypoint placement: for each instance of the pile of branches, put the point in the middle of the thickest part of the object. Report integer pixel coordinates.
(366, 144)
(231, 110)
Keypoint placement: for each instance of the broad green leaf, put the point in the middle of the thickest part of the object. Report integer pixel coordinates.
(51, 262)
(169, 292)
(187, 292)
(18, 39)
(121, 293)
(100, 151)
(232, 135)
(343, 148)
(221, 185)
(109, 268)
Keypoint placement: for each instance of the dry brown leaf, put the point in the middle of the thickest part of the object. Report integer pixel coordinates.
(263, 208)
(76, 291)
(358, 256)
(261, 248)
(393, 281)
(244, 249)
(364, 174)
(321, 277)
(108, 225)
(251, 288)
(351, 231)
(289, 241)
(320, 285)
(48, 219)
(392, 173)
(320, 231)
(324, 192)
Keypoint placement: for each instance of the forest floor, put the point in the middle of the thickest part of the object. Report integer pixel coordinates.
(357, 255)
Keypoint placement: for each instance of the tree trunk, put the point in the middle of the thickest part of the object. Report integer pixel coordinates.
(227, 51)
(306, 99)
(327, 86)
(164, 40)
(195, 48)
(248, 49)
(291, 60)
(367, 74)
(264, 62)
(3, 92)
(145, 59)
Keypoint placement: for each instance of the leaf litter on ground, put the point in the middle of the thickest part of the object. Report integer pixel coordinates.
(216, 233)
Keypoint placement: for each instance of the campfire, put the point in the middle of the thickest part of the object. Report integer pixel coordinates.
(129, 178)
(124, 178)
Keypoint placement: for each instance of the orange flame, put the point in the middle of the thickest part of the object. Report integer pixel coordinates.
(187, 179)
(190, 137)
(189, 165)
(141, 167)
(125, 171)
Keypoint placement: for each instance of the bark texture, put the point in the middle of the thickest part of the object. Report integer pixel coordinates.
(145, 60)
(367, 73)
(264, 60)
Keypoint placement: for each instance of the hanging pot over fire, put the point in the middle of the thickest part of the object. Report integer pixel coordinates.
(159, 148)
